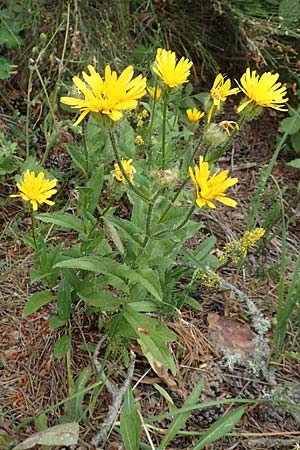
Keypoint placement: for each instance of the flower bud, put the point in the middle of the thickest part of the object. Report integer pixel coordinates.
(214, 135)
(165, 177)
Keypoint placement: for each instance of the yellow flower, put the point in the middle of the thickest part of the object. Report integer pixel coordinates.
(219, 92)
(151, 92)
(36, 189)
(110, 95)
(263, 91)
(128, 169)
(213, 188)
(166, 68)
(228, 126)
(194, 114)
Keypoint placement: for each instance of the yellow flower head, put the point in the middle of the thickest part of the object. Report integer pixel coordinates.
(229, 126)
(194, 115)
(263, 91)
(219, 92)
(166, 68)
(128, 169)
(211, 188)
(36, 189)
(110, 95)
(151, 92)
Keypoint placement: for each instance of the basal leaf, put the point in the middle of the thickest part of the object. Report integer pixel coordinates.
(65, 434)
(180, 420)
(36, 301)
(62, 346)
(130, 423)
(220, 428)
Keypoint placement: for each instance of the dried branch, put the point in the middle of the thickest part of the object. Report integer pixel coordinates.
(117, 392)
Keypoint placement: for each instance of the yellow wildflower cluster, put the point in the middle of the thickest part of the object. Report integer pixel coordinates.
(141, 118)
(139, 140)
(238, 249)
(206, 278)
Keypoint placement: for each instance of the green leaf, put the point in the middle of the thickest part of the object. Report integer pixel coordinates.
(290, 125)
(180, 420)
(126, 140)
(295, 138)
(64, 220)
(5, 68)
(129, 229)
(65, 434)
(155, 339)
(294, 163)
(41, 422)
(62, 346)
(193, 303)
(100, 264)
(220, 428)
(115, 237)
(105, 300)
(77, 155)
(56, 322)
(81, 382)
(149, 279)
(64, 300)
(130, 423)
(36, 301)
(94, 187)
(205, 247)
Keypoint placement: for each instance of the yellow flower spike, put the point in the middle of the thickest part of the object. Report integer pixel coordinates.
(128, 169)
(171, 72)
(151, 92)
(229, 126)
(219, 92)
(36, 189)
(262, 90)
(109, 95)
(194, 115)
(210, 188)
(139, 140)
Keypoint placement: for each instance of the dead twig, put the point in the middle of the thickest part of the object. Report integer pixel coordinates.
(271, 443)
(117, 392)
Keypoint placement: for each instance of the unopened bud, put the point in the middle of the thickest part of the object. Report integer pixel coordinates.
(214, 135)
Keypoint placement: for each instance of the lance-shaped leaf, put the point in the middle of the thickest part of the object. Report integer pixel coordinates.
(59, 435)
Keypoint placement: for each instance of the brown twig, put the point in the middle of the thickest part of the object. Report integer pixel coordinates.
(117, 392)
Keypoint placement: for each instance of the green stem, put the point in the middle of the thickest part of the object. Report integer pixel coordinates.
(151, 123)
(164, 127)
(29, 87)
(187, 217)
(148, 220)
(117, 156)
(86, 153)
(177, 108)
(185, 220)
(33, 228)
